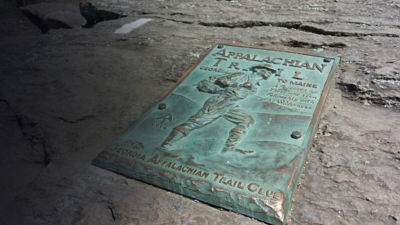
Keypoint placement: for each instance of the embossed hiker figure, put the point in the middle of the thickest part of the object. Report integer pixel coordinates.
(228, 91)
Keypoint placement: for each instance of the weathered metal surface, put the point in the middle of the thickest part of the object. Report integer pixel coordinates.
(234, 133)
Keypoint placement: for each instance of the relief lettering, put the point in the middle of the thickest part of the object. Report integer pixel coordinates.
(217, 175)
(319, 68)
(221, 53)
(297, 75)
(276, 60)
(253, 187)
(306, 65)
(234, 65)
(219, 61)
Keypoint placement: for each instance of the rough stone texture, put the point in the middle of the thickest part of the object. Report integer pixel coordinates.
(67, 94)
(63, 13)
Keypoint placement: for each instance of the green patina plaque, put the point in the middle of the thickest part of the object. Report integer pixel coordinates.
(234, 132)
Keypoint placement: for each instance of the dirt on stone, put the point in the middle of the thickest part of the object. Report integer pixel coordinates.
(67, 94)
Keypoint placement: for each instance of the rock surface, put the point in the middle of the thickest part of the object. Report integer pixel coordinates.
(67, 94)
(54, 15)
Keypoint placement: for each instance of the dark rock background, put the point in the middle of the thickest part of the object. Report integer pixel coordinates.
(67, 94)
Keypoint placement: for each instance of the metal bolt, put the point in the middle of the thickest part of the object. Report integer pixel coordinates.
(220, 46)
(327, 60)
(296, 134)
(162, 106)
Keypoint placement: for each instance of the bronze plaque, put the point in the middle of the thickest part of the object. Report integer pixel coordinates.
(235, 132)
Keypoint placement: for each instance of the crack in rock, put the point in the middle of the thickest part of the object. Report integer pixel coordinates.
(77, 120)
(252, 23)
(35, 135)
(316, 30)
(293, 25)
(5, 104)
(111, 208)
(302, 44)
